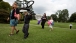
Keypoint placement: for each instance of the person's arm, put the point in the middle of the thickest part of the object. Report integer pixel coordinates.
(44, 18)
(8, 18)
(17, 12)
(30, 16)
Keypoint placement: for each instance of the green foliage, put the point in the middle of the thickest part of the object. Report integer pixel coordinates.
(3, 15)
(59, 15)
(5, 5)
(1, 0)
(65, 15)
(4, 11)
(33, 17)
(54, 17)
(62, 15)
(73, 17)
(48, 17)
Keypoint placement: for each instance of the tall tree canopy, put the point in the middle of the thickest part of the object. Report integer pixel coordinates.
(62, 15)
(73, 17)
(4, 11)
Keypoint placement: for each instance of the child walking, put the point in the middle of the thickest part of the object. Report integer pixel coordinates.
(27, 19)
(51, 23)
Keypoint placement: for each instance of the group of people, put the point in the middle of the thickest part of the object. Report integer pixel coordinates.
(15, 18)
(43, 20)
(27, 17)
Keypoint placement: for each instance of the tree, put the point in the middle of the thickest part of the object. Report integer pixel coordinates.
(4, 11)
(48, 17)
(62, 15)
(58, 13)
(3, 16)
(1, 0)
(73, 17)
(54, 17)
(5, 5)
(65, 15)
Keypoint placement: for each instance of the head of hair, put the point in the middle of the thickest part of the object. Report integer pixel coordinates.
(51, 18)
(26, 13)
(14, 5)
(44, 15)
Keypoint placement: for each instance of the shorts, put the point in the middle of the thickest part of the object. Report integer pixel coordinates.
(13, 22)
(50, 26)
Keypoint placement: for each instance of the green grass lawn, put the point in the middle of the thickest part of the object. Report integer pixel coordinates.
(61, 25)
(60, 34)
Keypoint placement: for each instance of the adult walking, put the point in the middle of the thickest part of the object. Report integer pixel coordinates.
(13, 19)
(43, 20)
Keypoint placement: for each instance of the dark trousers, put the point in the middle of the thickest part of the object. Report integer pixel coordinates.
(70, 27)
(42, 24)
(25, 30)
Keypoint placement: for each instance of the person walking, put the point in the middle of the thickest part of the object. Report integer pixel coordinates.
(13, 19)
(27, 19)
(43, 20)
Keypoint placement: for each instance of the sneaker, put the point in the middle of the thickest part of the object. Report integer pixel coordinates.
(17, 32)
(25, 37)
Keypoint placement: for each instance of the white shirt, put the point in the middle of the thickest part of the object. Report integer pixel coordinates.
(70, 25)
(51, 21)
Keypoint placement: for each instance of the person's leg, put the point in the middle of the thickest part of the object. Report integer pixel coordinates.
(12, 29)
(16, 30)
(51, 28)
(70, 27)
(13, 23)
(25, 30)
(16, 22)
(42, 24)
